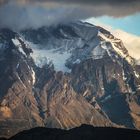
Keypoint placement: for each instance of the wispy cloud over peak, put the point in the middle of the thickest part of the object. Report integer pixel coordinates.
(20, 14)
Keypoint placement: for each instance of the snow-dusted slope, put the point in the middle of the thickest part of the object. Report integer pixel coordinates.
(116, 45)
(42, 57)
(65, 44)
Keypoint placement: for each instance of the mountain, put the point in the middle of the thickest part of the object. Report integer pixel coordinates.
(84, 132)
(64, 76)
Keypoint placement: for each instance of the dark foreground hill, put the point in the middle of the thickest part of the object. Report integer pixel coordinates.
(84, 132)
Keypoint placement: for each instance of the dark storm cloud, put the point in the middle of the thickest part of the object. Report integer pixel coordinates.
(116, 8)
(109, 7)
(21, 14)
(93, 1)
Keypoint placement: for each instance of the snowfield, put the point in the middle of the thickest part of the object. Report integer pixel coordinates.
(44, 56)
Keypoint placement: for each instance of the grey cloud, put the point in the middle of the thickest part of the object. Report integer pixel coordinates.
(116, 8)
(33, 16)
(94, 1)
(21, 14)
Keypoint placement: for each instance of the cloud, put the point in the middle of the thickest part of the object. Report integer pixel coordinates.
(21, 14)
(18, 16)
(109, 7)
(93, 2)
(132, 42)
(126, 6)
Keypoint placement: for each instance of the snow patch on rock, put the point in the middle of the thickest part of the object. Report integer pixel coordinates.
(98, 52)
(18, 44)
(33, 76)
(78, 61)
(136, 74)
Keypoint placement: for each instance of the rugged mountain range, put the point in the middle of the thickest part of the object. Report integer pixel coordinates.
(64, 76)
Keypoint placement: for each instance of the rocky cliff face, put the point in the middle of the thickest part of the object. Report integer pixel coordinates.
(65, 76)
(18, 106)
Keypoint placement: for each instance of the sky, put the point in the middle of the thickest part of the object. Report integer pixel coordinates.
(130, 24)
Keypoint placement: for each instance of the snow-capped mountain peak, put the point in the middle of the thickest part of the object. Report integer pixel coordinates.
(75, 41)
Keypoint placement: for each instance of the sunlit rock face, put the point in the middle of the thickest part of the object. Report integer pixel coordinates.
(65, 76)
